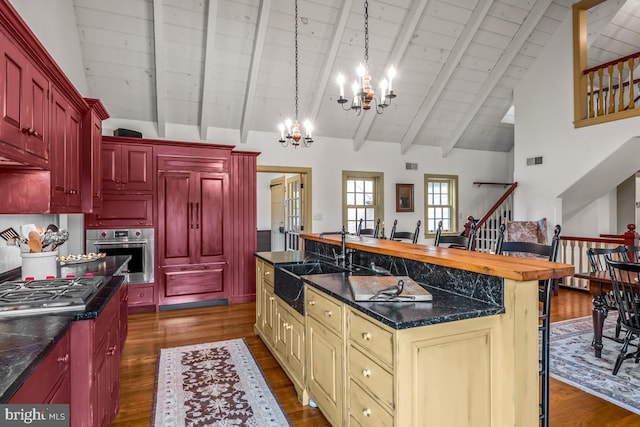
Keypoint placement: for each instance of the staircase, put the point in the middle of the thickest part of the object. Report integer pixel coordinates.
(488, 227)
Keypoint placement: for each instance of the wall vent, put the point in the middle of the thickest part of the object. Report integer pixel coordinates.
(534, 161)
(411, 166)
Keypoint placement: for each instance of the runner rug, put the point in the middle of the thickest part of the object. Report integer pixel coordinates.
(213, 384)
(573, 362)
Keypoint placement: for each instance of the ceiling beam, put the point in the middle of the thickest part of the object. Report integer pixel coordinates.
(330, 60)
(158, 24)
(398, 50)
(530, 23)
(254, 68)
(449, 67)
(207, 75)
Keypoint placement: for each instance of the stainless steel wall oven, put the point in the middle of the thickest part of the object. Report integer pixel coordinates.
(138, 242)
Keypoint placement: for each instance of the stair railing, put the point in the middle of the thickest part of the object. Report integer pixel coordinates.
(488, 227)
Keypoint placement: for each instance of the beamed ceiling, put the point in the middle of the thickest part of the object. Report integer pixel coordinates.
(229, 64)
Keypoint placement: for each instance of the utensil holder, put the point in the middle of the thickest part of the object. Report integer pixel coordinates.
(39, 265)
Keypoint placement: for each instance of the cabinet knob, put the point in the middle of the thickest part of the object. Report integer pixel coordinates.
(366, 412)
(312, 302)
(271, 298)
(111, 350)
(366, 336)
(267, 273)
(328, 313)
(286, 325)
(33, 132)
(64, 359)
(366, 373)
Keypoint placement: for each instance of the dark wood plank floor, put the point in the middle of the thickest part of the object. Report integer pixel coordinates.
(149, 332)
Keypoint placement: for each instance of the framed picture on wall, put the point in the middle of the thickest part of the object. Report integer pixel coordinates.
(404, 197)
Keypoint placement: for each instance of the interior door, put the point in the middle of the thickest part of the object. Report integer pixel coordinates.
(293, 205)
(277, 214)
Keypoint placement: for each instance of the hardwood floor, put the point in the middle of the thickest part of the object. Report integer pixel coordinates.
(149, 332)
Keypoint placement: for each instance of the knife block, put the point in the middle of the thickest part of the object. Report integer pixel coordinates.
(39, 265)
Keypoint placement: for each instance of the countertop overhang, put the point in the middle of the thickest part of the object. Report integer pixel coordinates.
(507, 267)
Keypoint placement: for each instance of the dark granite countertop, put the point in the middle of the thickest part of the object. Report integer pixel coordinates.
(283, 257)
(445, 307)
(26, 340)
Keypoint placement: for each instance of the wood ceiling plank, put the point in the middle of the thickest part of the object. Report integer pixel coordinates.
(254, 69)
(448, 69)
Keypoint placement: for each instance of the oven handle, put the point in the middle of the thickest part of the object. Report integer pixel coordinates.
(121, 244)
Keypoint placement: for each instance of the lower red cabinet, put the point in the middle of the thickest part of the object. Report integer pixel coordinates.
(49, 383)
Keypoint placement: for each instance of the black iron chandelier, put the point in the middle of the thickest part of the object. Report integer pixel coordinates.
(293, 135)
(363, 94)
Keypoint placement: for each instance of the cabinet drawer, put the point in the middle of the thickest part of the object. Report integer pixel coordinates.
(49, 383)
(371, 376)
(267, 272)
(372, 337)
(365, 410)
(141, 295)
(325, 309)
(193, 279)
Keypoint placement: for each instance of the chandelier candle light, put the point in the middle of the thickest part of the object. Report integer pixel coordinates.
(363, 95)
(294, 136)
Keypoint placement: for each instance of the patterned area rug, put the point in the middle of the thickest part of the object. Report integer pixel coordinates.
(573, 362)
(213, 384)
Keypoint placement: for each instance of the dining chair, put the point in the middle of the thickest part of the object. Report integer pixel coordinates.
(368, 231)
(405, 235)
(458, 242)
(597, 261)
(625, 277)
(632, 253)
(550, 253)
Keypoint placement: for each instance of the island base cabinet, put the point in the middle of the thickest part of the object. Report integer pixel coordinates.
(325, 370)
(365, 411)
(290, 345)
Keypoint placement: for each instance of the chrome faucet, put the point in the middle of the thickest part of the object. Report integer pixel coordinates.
(344, 259)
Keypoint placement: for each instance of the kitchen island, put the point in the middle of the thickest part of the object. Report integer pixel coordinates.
(469, 357)
(50, 358)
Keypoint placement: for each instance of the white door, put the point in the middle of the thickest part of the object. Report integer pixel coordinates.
(293, 206)
(277, 214)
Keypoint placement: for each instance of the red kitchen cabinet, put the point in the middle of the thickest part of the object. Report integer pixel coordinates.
(127, 167)
(49, 383)
(141, 297)
(91, 161)
(24, 99)
(193, 228)
(124, 315)
(95, 367)
(65, 155)
(123, 210)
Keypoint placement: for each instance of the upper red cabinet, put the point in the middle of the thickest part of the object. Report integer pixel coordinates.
(24, 101)
(127, 167)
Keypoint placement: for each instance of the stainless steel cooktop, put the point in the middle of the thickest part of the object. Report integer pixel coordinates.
(22, 297)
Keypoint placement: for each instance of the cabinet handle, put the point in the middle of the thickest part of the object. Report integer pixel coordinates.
(191, 214)
(197, 215)
(271, 298)
(286, 325)
(366, 373)
(312, 302)
(328, 313)
(112, 350)
(267, 273)
(64, 359)
(33, 132)
(366, 412)
(289, 326)
(366, 336)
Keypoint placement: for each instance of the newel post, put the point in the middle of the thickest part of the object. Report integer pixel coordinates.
(631, 239)
(467, 226)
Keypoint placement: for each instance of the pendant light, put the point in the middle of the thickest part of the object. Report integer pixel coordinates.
(363, 94)
(293, 135)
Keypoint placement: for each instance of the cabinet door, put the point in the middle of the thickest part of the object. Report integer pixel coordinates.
(270, 308)
(36, 113)
(95, 163)
(124, 315)
(136, 168)
(208, 209)
(110, 165)
(14, 68)
(123, 210)
(296, 348)
(175, 210)
(325, 363)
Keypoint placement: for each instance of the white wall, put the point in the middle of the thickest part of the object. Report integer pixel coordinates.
(544, 127)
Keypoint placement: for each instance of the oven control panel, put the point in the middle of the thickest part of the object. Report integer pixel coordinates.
(121, 234)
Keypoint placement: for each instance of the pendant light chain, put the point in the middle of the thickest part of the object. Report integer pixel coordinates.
(366, 34)
(296, 49)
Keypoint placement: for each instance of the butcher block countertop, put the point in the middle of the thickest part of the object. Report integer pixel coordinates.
(507, 267)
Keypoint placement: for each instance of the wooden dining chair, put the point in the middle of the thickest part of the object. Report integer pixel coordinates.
(458, 242)
(625, 277)
(550, 253)
(368, 231)
(597, 261)
(405, 235)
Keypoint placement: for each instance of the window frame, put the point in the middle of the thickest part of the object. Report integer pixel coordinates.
(378, 190)
(453, 196)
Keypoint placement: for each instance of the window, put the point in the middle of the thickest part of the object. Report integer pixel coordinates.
(362, 198)
(441, 203)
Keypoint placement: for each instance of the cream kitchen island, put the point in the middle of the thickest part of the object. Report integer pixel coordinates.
(468, 358)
